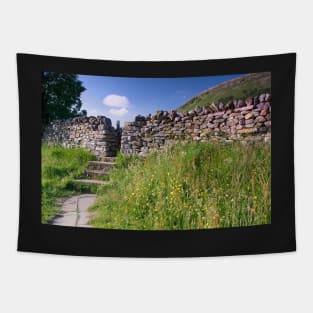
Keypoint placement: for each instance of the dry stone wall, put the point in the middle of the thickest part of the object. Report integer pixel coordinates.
(244, 120)
(93, 133)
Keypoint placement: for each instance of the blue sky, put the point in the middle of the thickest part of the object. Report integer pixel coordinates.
(122, 98)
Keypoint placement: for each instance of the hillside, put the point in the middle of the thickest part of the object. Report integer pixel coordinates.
(247, 86)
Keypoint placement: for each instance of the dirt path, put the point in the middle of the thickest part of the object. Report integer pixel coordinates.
(74, 211)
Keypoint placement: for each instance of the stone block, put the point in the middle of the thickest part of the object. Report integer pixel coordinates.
(247, 131)
(249, 115)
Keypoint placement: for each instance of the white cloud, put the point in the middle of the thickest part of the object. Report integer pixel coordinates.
(116, 101)
(118, 112)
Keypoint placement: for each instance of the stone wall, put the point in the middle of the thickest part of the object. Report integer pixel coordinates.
(93, 133)
(244, 120)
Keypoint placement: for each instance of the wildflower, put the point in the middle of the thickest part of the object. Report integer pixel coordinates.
(216, 218)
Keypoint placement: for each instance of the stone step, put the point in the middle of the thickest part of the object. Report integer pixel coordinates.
(91, 181)
(96, 172)
(100, 165)
(108, 159)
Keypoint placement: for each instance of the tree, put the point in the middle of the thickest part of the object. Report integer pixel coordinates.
(60, 96)
(83, 113)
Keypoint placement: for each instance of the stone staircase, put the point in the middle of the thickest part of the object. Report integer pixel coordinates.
(97, 170)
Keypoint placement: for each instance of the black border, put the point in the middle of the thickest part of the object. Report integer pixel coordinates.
(279, 236)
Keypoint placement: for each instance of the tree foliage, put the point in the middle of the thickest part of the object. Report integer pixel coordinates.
(61, 96)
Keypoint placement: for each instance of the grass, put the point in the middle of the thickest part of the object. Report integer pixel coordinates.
(59, 167)
(191, 186)
(240, 88)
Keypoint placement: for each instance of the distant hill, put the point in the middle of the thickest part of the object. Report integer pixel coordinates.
(239, 88)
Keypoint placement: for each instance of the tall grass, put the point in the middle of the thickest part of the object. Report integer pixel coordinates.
(59, 166)
(192, 186)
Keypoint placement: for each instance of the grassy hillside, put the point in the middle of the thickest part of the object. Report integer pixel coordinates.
(193, 186)
(239, 88)
(59, 166)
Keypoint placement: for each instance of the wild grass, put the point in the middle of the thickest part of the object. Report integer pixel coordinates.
(191, 186)
(59, 166)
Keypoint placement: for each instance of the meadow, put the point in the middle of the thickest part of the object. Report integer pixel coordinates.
(188, 186)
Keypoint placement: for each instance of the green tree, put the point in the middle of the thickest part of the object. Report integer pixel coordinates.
(61, 96)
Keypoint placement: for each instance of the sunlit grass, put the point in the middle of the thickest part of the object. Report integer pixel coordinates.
(193, 186)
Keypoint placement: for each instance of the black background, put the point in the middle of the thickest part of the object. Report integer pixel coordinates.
(279, 236)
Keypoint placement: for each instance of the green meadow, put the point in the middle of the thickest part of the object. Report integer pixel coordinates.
(188, 186)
